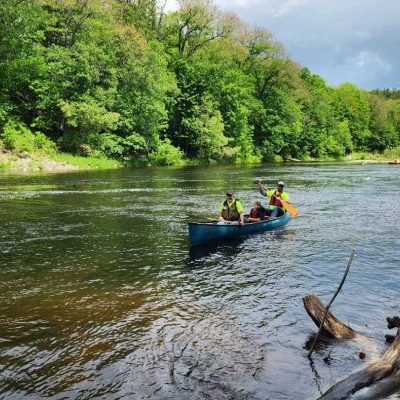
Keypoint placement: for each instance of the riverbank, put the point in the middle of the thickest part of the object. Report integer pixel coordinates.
(57, 162)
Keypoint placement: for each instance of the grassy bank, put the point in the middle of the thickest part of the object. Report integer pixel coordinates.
(387, 155)
(54, 161)
(87, 162)
(22, 150)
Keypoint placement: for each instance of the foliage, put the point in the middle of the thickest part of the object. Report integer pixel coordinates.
(166, 154)
(392, 154)
(18, 138)
(125, 80)
(387, 93)
(383, 131)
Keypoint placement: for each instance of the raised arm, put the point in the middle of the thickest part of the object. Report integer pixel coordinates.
(263, 190)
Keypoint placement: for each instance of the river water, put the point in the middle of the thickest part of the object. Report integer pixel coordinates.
(102, 296)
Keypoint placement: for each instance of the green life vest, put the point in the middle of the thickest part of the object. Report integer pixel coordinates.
(230, 212)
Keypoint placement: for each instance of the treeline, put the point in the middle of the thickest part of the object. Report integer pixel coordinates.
(388, 93)
(123, 79)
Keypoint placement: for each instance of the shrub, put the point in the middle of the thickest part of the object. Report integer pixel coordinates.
(392, 153)
(85, 150)
(134, 145)
(113, 146)
(166, 154)
(87, 124)
(17, 137)
(106, 144)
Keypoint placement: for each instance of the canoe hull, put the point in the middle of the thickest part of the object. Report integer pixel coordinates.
(202, 233)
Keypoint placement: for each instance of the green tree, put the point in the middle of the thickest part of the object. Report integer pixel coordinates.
(353, 106)
(142, 14)
(193, 26)
(383, 131)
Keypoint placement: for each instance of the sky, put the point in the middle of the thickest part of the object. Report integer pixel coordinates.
(354, 41)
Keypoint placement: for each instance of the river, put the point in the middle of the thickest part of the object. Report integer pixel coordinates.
(102, 296)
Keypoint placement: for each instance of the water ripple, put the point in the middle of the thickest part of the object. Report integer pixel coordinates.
(101, 295)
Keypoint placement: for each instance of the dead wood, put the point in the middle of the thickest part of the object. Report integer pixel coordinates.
(322, 321)
(379, 378)
(332, 327)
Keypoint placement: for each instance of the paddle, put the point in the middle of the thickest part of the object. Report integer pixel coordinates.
(291, 209)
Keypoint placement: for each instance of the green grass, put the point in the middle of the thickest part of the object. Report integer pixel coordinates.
(385, 156)
(392, 154)
(86, 162)
(40, 161)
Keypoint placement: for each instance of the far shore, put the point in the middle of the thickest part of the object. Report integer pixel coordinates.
(63, 162)
(57, 163)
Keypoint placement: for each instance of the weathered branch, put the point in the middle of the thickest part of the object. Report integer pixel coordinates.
(381, 377)
(332, 327)
(330, 303)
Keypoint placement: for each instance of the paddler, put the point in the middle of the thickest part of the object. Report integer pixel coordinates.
(231, 209)
(275, 207)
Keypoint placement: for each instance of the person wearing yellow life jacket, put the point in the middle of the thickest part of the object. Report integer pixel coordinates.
(275, 207)
(231, 209)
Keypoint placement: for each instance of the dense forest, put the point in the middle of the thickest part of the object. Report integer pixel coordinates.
(124, 79)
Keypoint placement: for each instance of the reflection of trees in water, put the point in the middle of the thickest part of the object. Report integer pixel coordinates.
(211, 358)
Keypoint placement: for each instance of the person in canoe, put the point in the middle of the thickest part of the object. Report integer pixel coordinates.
(257, 213)
(231, 209)
(275, 207)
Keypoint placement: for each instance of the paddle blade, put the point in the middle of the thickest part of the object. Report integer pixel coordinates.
(291, 209)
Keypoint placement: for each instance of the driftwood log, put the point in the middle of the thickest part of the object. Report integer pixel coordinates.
(377, 380)
(322, 321)
(332, 327)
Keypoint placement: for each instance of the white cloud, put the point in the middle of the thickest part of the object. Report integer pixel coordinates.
(286, 7)
(369, 59)
(341, 40)
(275, 8)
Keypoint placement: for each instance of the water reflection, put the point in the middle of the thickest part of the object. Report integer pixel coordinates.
(229, 249)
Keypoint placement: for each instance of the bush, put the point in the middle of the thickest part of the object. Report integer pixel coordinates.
(3, 114)
(17, 137)
(166, 154)
(107, 144)
(134, 145)
(113, 146)
(85, 150)
(392, 153)
(334, 148)
(86, 122)
(88, 117)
